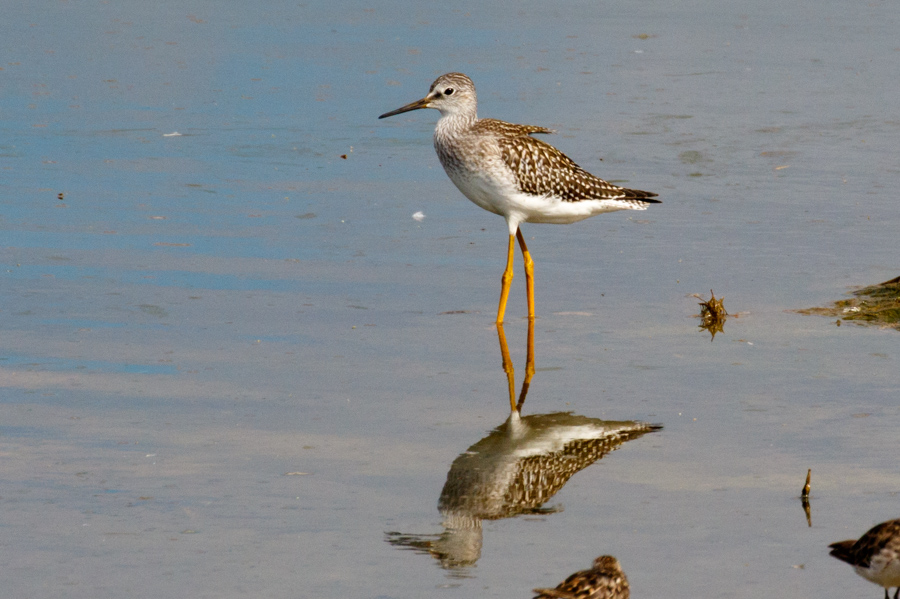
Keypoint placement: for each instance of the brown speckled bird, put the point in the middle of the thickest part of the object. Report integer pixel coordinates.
(604, 581)
(501, 168)
(875, 556)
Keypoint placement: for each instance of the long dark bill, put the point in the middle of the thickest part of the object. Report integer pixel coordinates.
(423, 103)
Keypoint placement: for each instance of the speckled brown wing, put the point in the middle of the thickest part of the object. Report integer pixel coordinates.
(883, 536)
(541, 169)
(506, 130)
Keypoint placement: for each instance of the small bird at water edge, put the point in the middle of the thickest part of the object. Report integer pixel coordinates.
(875, 556)
(604, 581)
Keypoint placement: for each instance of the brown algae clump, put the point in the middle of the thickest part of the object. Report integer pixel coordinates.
(875, 305)
(712, 314)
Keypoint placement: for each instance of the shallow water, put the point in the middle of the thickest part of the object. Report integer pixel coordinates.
(236, 365)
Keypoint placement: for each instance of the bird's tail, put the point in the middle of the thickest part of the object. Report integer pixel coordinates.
(844, 551)
(644, 196)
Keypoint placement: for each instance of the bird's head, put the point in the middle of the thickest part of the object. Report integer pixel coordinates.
(607, 562)
(453, 94)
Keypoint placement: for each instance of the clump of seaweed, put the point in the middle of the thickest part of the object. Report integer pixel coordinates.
(877, 305)
(712, 314)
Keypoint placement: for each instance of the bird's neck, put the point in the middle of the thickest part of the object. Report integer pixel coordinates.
(450, 125)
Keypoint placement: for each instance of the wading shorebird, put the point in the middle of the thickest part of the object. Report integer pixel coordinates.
(604, 581)
(875, 556)
(501, 168)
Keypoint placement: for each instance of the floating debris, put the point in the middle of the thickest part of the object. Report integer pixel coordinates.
(712, 313)
(804, 499)
(877, 305)
(805, 492)
(419, 216)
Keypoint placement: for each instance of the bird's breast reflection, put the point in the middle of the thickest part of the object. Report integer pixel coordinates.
(526, 460)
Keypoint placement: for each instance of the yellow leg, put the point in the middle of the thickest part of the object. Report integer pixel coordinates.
(529, 365)
(507, 367)
(510, 371)
(529, 360)
(529, 272)
(506, 280)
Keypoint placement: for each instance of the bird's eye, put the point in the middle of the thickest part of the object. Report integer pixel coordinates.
(448, 91)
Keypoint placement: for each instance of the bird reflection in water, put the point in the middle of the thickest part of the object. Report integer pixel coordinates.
(515, 470)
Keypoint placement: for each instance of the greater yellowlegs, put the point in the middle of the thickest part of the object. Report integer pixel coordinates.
(604, 581)
(501, 168)
(875, 556)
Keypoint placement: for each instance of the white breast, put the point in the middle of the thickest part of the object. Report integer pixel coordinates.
(883, 570)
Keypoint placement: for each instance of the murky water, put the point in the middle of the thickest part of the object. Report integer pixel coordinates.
(235, 365)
